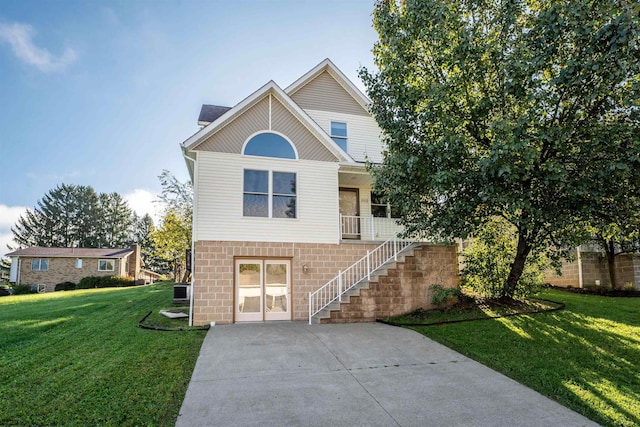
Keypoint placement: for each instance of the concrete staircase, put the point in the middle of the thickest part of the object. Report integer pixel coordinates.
(396, 288)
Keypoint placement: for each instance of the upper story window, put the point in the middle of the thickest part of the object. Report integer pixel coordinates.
(269, 194)
(106, 265)
(380, 209)
(39, 264)
(269, 144)
(339, 134)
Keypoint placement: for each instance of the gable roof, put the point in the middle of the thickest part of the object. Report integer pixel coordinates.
(209, 113)
(270, 88)
(39, 251)
(338, 75)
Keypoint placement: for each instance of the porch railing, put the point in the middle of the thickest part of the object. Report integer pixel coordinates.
(356, 273)
(368, 228)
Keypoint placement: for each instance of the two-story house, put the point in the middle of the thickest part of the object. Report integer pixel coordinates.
(283, 205)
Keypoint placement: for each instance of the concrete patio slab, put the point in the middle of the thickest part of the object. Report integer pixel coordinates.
(366, 374)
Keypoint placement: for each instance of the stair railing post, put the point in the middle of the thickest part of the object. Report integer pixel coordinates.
(340, 286)
(373, 229)
(395, 247)
(368, 266)
(310, 308)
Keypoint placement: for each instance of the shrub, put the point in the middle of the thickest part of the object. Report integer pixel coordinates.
(24, 289)
(65, 286)
(90, 282)
(440, 294)
(488, 261)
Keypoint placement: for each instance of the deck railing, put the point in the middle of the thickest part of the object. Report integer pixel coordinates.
(368, 228)
(362, 269)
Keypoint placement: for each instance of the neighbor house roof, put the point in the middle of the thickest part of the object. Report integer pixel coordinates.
(209, 113)
(72, 252)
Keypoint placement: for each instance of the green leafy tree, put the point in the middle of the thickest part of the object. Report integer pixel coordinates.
(526, 110)
(172, 238)
(615, 228)
(170, 242)
(488, 258)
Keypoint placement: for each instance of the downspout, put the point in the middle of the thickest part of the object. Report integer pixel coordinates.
(19, 267)
(579, 267)
(193, 240)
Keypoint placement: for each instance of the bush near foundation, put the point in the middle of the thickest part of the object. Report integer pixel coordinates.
(65, 286)
(105, 282)
(23, 290)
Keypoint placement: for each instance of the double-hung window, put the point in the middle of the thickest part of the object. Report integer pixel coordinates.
(339, 134)
(39, 264)
(106, 265)
(269, 194)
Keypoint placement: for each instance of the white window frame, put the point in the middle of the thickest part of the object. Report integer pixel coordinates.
(41, 262)
(388, 212)
(270, 193)
(112, 261)
(340, 137)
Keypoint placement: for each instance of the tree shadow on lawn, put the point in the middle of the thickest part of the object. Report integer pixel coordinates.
(580, 360)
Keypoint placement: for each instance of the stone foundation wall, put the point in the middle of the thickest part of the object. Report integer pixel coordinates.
(404, 288)
(214, 296)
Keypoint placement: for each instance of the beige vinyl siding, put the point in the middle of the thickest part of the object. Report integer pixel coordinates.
(325, 93)
(308, 146)
(232, 136)
(363, 133)
(218, 185)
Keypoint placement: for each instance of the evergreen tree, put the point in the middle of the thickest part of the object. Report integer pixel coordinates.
(75, 216)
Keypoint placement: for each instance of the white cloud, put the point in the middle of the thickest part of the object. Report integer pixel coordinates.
(8, 217)
(19, 37)
(143, 202)
(6, 239)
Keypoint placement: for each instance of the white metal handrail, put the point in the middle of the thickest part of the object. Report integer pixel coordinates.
(368, 228)
(357, 272)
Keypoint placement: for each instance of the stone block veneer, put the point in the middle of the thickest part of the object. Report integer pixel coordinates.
(214, 272)
(403, 288)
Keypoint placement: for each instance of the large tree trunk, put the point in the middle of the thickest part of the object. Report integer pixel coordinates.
(517, 268)
(610, 251)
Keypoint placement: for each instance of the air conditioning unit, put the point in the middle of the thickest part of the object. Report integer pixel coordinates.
(181, 294)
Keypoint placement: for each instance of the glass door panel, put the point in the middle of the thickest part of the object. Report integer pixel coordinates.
(249, 290)
(263, 290)
(276, 290)
(350, 213)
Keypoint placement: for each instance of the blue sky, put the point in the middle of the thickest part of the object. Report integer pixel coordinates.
(103, 93)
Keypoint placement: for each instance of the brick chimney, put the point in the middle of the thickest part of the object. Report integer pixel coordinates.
(135, 263)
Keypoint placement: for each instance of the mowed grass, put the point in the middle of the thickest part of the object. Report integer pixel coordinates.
(587, 356)
(78, 358)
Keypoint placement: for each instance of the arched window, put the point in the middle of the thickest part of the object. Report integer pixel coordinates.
(269, 144)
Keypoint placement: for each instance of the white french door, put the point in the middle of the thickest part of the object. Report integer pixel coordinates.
(263, 290)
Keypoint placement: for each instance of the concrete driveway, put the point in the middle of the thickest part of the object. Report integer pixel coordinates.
(369, 374)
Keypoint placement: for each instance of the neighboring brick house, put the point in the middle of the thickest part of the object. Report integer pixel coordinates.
(284, 207)
(589, 268)
(50, 266)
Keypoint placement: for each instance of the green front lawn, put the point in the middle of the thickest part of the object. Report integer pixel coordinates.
(79, 358)
(587, 356)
